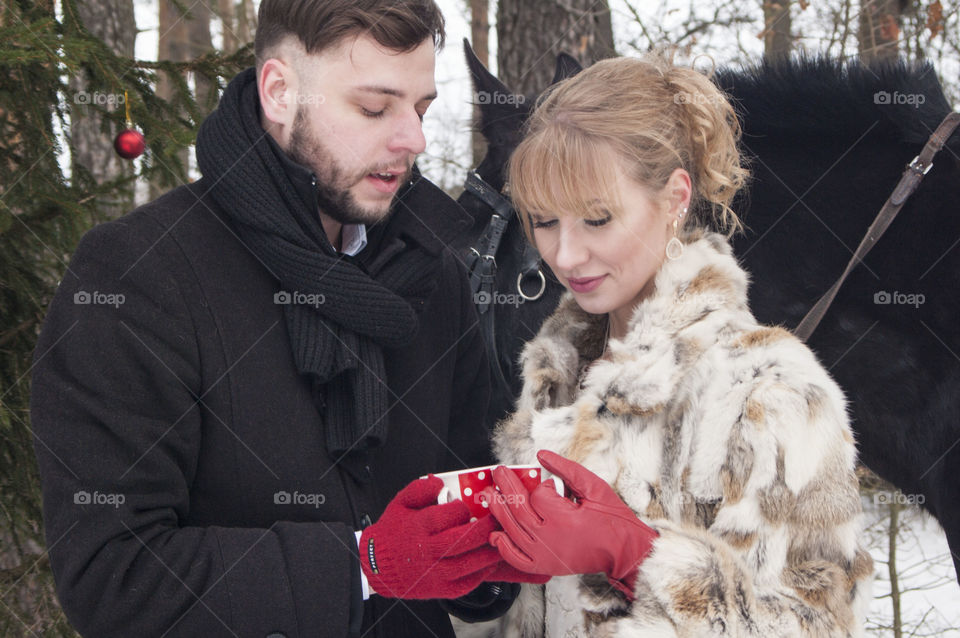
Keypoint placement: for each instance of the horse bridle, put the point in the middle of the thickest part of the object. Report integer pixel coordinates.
(484, 253)
(482, 265)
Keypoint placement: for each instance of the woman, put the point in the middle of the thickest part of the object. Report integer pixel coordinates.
(728, 503)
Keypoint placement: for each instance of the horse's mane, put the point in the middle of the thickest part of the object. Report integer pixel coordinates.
(818, 96)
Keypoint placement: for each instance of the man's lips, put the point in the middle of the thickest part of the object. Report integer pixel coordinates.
(387, 180)
(585, 284)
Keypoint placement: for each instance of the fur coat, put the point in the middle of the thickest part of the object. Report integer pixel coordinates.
(727, 437)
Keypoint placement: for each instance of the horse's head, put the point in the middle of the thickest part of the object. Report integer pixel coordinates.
(514, 294)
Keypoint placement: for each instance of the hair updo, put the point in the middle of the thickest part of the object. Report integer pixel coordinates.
(646, 113)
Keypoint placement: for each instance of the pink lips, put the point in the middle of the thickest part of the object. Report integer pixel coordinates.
(384, 185)
(586, 284)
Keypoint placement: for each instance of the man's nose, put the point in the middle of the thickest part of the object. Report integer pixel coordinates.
(408, 137)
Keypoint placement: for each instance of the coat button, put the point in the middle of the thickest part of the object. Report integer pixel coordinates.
(276, 634)
(365, 521)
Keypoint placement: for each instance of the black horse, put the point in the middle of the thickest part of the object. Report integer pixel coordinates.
(827, 142)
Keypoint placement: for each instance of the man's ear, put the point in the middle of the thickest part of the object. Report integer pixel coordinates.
(277, 86)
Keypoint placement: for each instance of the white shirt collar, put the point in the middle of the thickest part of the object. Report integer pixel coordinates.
(353, 238)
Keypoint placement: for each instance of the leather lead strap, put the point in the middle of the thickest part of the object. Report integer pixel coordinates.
(908, 183)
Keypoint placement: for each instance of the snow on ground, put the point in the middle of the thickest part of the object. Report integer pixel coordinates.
(930, 595)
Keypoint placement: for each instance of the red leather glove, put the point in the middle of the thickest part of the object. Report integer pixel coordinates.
(545, 533)
(507, 573)
(418, 549)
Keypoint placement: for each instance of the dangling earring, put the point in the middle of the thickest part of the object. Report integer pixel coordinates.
(675, 246)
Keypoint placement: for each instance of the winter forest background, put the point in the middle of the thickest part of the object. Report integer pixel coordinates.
(69, 69)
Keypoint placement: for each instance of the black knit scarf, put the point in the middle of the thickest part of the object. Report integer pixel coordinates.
(364, 309)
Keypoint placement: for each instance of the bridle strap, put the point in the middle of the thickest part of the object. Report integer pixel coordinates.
(477, 187)
(482, 267)
(912, 176)
(482, 263)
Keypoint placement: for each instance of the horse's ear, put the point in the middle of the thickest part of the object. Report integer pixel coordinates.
(502, 113)
(567, 67)
(482, 79)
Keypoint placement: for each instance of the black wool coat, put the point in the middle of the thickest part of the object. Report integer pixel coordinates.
(187, 489)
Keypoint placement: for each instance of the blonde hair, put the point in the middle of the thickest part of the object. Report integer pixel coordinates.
(650, 115)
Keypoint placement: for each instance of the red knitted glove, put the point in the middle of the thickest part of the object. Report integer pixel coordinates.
(418, 549)
(546, 533)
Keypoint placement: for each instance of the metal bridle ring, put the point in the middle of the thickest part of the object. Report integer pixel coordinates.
(539, 293)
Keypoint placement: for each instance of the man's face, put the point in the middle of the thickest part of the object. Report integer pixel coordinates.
(358, 123)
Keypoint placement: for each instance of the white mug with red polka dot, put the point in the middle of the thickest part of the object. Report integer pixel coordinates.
(467, 485)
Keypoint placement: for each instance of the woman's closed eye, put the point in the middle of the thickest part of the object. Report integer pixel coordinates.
(603, 221)
(543, 223)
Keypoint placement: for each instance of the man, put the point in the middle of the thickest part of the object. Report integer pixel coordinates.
(234, 380)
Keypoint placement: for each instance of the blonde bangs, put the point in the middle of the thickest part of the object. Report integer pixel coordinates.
(557, 170)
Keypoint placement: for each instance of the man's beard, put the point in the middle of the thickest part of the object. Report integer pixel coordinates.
(336, 200)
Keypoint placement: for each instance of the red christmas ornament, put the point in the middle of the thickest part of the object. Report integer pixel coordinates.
(129, 143)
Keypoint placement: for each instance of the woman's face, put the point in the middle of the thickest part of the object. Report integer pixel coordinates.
(609, 264)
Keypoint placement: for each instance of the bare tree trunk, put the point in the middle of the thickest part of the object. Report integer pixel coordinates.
(531, 34)
(91, 144)
(480, 40)
(895, 506)
(228, 21)
(198, 35)
(879, 31)
(173, 44)
(246, 22)
(777, 39)
(184, 38)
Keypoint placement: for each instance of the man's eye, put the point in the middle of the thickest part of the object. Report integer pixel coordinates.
(370, 113)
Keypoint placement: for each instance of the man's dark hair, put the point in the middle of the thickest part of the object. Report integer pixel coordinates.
(400, 25)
